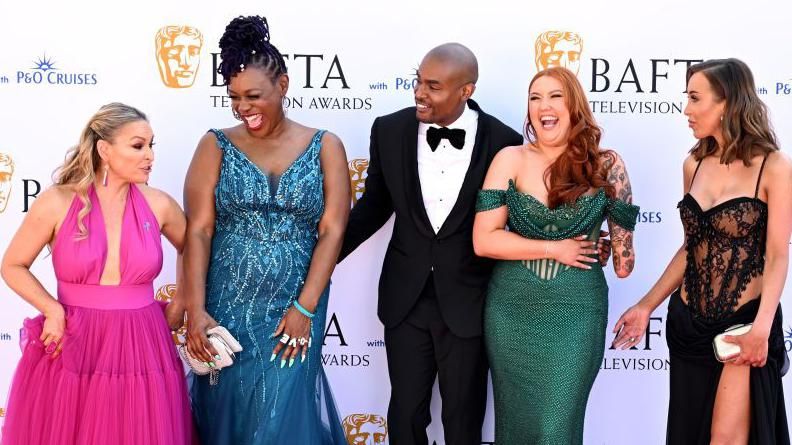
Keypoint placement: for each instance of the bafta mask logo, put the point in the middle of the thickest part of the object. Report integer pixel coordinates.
(166, 294)
(6, 174)
(358, 171)
(559, 48)
(365, 429)
(178, 52)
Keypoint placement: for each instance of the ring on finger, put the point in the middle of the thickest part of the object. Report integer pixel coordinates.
(293, 342)
(284, 338)
(51, 347)
(632, 339)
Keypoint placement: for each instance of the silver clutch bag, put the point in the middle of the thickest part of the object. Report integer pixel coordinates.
(725, 352)
(226, 346)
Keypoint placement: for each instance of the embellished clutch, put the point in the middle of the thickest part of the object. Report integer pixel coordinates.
(725, 352)
(226, 346)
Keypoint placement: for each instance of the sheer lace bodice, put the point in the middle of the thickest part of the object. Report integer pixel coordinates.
(725, 251)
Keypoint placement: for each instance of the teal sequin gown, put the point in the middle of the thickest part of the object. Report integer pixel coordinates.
(265, 233)
(544, 322)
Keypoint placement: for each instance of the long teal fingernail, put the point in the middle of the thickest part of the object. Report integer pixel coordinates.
(217, 357)
(283, 363)
(272, 359)
(211, 364)
(291, 362)
(303, 358)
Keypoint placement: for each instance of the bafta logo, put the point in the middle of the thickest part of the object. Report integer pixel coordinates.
(6, 174)
(178, 52)
(357, 177)
(365, 429)
(558, 48)
(166, 294)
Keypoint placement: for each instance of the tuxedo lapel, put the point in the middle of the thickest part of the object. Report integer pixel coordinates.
(412, 181)
(474, 176)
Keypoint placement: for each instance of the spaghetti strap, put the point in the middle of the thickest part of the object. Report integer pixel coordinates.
(695, 173)
(759, 179)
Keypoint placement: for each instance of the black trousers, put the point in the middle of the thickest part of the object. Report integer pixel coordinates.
(420, 349)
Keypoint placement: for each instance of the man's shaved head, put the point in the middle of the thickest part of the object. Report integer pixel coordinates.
(446, 79)
(458, 56)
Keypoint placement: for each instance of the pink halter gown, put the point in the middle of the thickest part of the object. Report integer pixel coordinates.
(118, 379)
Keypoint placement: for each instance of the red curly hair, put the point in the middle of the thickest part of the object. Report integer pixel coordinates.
(580, 167)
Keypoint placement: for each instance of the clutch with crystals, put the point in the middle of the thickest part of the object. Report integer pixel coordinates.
(724, 351)
(226, 346)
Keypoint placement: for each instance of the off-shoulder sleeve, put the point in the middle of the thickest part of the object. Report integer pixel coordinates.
(490, 199)
(623, 214)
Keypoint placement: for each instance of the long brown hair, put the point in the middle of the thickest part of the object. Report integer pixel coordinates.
(745, 125)
(580, 167)
(83, 160)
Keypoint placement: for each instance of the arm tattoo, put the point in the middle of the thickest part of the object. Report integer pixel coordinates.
(622, 239)
(617, 177)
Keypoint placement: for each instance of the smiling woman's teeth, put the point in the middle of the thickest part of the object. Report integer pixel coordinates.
(548, 122)
(253, 121)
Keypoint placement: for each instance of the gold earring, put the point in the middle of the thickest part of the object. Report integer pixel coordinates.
(104, 180)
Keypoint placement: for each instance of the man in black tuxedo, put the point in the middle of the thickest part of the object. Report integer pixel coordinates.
(426, 165)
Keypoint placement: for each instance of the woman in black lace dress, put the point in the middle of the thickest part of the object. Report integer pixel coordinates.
(731, 269)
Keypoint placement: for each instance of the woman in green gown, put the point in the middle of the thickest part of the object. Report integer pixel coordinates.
(540, 215)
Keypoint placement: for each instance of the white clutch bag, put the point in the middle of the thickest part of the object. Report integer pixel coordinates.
(725, 352)
(226, 346)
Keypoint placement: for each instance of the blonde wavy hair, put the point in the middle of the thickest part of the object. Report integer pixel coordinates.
(83, 160)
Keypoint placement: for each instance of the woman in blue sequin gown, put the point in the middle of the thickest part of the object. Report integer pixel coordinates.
(267, 203)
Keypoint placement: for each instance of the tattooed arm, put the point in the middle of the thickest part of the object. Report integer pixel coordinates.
(621, 238)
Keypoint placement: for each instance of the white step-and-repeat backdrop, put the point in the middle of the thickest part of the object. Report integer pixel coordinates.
(352, 61)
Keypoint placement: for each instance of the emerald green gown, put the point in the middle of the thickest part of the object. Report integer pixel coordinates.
(544, 322)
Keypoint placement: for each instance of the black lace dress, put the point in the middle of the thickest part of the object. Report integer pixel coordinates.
(725, 252)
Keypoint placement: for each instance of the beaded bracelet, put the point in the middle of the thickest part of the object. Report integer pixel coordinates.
(303, 310)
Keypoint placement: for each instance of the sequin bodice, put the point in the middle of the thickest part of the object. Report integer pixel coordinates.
(532, 219)
(265, 233)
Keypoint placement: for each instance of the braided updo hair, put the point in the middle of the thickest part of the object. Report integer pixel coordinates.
(244, 44)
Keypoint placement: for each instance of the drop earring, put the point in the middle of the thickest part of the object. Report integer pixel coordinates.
(104, 180)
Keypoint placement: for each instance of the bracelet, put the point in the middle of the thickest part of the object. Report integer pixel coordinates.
(303, 310)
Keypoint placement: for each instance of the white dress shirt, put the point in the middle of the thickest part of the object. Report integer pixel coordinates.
(442, 171)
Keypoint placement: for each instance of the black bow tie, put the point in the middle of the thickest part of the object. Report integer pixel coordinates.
(455, 136)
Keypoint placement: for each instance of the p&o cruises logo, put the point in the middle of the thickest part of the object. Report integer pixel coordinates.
(47, 71)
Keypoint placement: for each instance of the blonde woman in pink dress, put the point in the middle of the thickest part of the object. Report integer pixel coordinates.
(99, 366)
